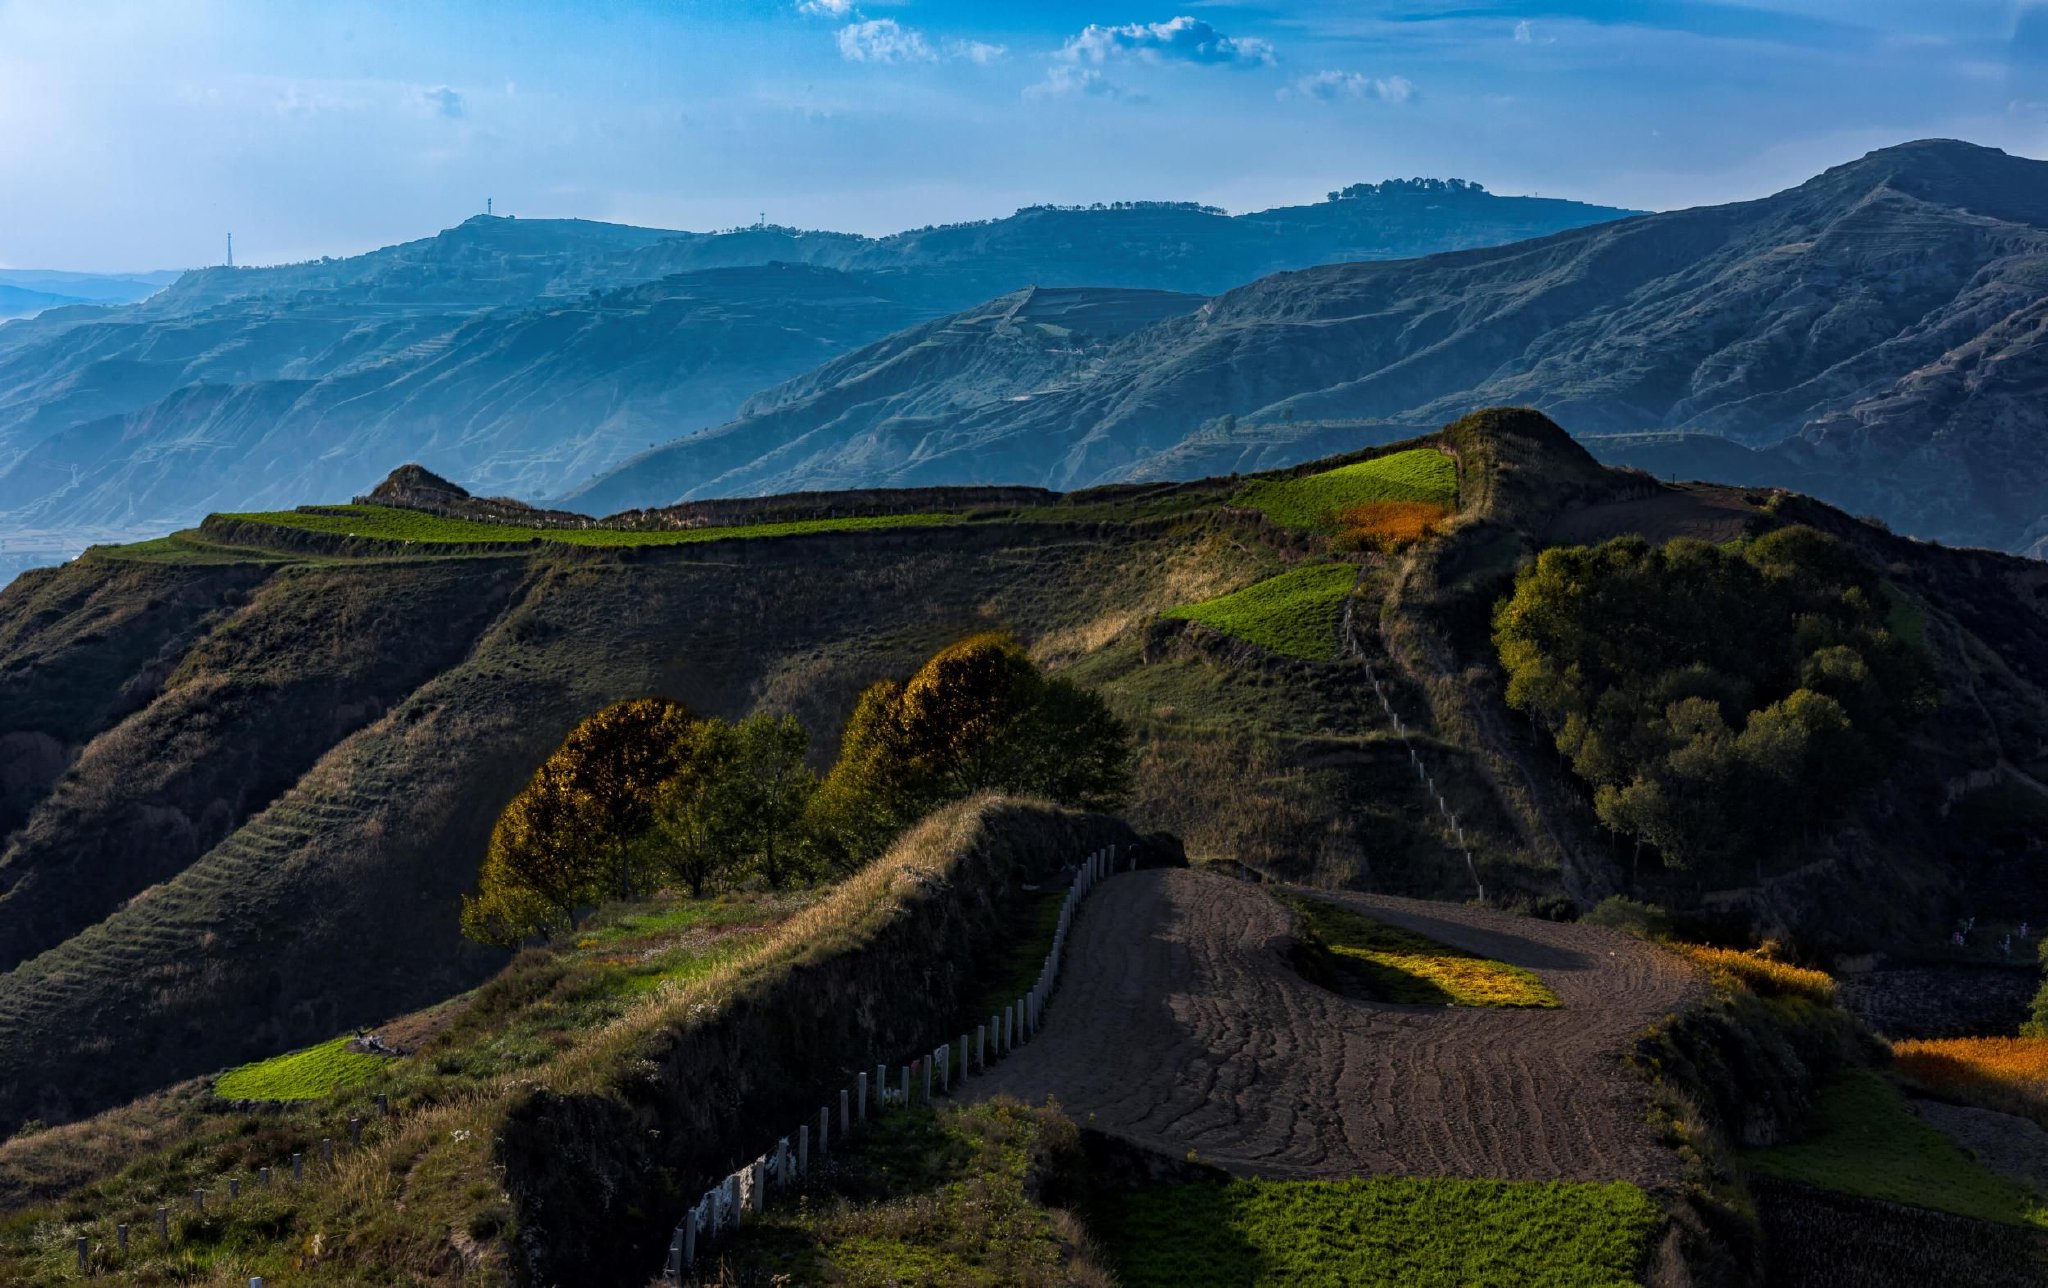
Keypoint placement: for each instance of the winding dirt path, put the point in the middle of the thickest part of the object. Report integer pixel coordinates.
(1179, 1024)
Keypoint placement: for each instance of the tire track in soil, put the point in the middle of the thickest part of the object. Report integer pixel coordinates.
(1180, 1025)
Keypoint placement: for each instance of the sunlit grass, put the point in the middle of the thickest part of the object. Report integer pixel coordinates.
(1861, 1139)
(2006, 1074)
(1317, 501)
(1384, 1231)
(301, 1075)
(1295, 613)
(1397, 965)
(1761, 975)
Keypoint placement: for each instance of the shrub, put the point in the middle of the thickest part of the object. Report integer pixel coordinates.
(1642, 920)
(978, 716)
(1761, 975)
(1718, 700)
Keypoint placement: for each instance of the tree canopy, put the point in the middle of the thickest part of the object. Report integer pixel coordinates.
(643, 792)
(978, 716)
(1719, 700)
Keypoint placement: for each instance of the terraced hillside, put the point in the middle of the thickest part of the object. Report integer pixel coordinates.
(249, 769)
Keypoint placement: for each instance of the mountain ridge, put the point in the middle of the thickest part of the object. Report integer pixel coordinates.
(98, 426)
(1869, 314)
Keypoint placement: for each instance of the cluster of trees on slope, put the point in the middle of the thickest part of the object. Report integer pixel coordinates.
(1721, 701)
(645, 793)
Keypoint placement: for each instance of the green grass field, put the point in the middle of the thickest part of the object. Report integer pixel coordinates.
(1396, 965)
(300, 1075)
(1863, 1140)
(918, 1199)
(1396, 1232)
(1312, 502)
(390, 523)
(1295, 613)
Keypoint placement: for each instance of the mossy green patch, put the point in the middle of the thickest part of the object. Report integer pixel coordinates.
(1314, 501)
(1413, 1233)
(1397, 965)
(1295, 613)
(300, 1075)
(1861, 1139)
(391, 523)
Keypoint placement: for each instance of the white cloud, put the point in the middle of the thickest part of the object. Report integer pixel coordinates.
(1182, 40)
(1063, 81)
(438, 101)
(1356, 87)
(975, 51)
(825, 8)
(884, 40)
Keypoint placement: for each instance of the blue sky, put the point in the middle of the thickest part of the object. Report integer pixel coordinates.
(136, 133)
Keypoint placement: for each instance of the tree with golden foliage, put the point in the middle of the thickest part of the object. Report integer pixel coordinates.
(569, 837)
(978, 716)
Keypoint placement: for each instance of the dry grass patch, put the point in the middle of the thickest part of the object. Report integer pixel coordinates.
(1761, 974)
(1389, 525)
(2006, 1074)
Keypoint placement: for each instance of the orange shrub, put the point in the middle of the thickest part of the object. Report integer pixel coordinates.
(1390, 525)
(1763, 976)
(2008, 1074)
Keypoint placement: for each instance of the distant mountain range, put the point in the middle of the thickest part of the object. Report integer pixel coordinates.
(525, 355)
(1877, 336)
(25, 292)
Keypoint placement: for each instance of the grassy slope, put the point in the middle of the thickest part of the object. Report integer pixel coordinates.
(311, 1074)
(1295, 613)
(1311, 501)
(347, 886)
(1387, 1232)
(1863, 1140)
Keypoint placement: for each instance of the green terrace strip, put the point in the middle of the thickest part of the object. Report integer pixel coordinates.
(1295, 613)
(1863, 1140)
(1395, 965)
(945, 1198)
(391, 523)
(1388, 1231)
(1312, 501)
(300, 1075)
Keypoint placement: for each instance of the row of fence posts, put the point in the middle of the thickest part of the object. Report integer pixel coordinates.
(745, 1192)
(263, 1180)
(1422, 773)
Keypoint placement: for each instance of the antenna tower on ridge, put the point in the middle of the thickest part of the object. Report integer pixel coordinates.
(231, 250)
(487, 205)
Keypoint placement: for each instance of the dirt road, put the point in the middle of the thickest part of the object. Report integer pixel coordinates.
(1179, 1024)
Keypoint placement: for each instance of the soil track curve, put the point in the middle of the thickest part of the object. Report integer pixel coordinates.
(1180, 1025)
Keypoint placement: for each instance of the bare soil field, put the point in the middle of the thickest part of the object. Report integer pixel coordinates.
(1708, 513)
(1180, 1024)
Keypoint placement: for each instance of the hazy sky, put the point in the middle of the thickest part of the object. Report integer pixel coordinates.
(137, 133)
